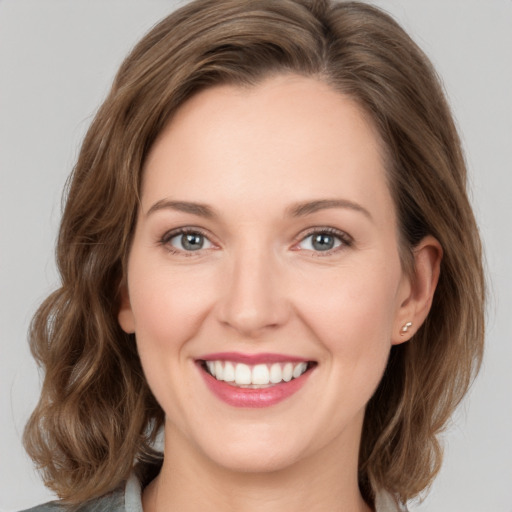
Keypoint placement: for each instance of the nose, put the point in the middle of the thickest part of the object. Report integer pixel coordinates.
(253, 299)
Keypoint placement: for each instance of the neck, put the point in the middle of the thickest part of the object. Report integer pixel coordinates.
(189, 481)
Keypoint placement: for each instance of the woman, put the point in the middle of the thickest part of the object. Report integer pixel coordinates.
(267, 250)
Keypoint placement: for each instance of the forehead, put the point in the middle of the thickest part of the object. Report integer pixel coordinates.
(287, 138)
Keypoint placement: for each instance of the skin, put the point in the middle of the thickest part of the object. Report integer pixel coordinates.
(259, 285)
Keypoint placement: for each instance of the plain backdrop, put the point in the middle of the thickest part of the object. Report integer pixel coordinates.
(57, 59)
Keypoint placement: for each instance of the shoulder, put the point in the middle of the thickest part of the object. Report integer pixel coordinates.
(126, 498)
(385, 502)
(111, 502)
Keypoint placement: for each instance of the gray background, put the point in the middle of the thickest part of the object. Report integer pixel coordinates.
(57, 59)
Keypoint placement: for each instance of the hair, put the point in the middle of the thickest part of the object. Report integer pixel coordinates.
(96, 414)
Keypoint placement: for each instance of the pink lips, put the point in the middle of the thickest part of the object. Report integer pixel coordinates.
(237, 357)
(252, 397)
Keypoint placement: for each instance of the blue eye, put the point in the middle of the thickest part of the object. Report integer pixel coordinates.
(188, 241)
(323, 241)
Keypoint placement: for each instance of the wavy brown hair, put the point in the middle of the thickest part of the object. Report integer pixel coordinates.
(96, 415)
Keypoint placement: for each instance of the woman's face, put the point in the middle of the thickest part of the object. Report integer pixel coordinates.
(265, 253)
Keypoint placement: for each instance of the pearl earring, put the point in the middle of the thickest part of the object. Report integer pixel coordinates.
(405, 328)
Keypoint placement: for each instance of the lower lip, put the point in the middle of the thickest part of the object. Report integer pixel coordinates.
(250, 397)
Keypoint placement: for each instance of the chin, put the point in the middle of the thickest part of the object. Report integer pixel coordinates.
(254, 448)
(254, 458)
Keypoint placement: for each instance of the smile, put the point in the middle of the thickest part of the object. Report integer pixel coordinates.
(255, 376)
(255, 380)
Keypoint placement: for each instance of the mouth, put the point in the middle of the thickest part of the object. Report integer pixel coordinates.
(254, 380)
(255, 376)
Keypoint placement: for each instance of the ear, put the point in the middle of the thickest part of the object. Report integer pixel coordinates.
(125, 315)
(418, 290)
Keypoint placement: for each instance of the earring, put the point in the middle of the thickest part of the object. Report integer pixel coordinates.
(405, 328)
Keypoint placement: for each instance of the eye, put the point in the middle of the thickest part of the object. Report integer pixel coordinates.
(324, 240)
(186, 241)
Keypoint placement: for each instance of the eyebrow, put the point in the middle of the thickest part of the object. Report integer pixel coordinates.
(309, 207)
(202, 210)
(296, 210)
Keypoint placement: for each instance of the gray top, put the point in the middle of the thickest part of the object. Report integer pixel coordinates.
(129, 500)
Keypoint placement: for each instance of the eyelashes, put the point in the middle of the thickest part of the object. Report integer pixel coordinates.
(324, 241)
(319, 241)
(186, 241)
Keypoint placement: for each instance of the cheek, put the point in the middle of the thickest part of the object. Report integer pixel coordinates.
(168, 304)
(352, 314)
(169, 310)
(353, 301)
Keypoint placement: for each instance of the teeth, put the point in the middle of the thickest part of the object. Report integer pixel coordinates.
(242, 374)
(299, 369)
(288, 372)
(219, 370)
(258, 375)
(276, 374)
(229, 372)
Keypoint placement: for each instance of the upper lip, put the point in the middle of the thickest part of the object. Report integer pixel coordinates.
(252, 359)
